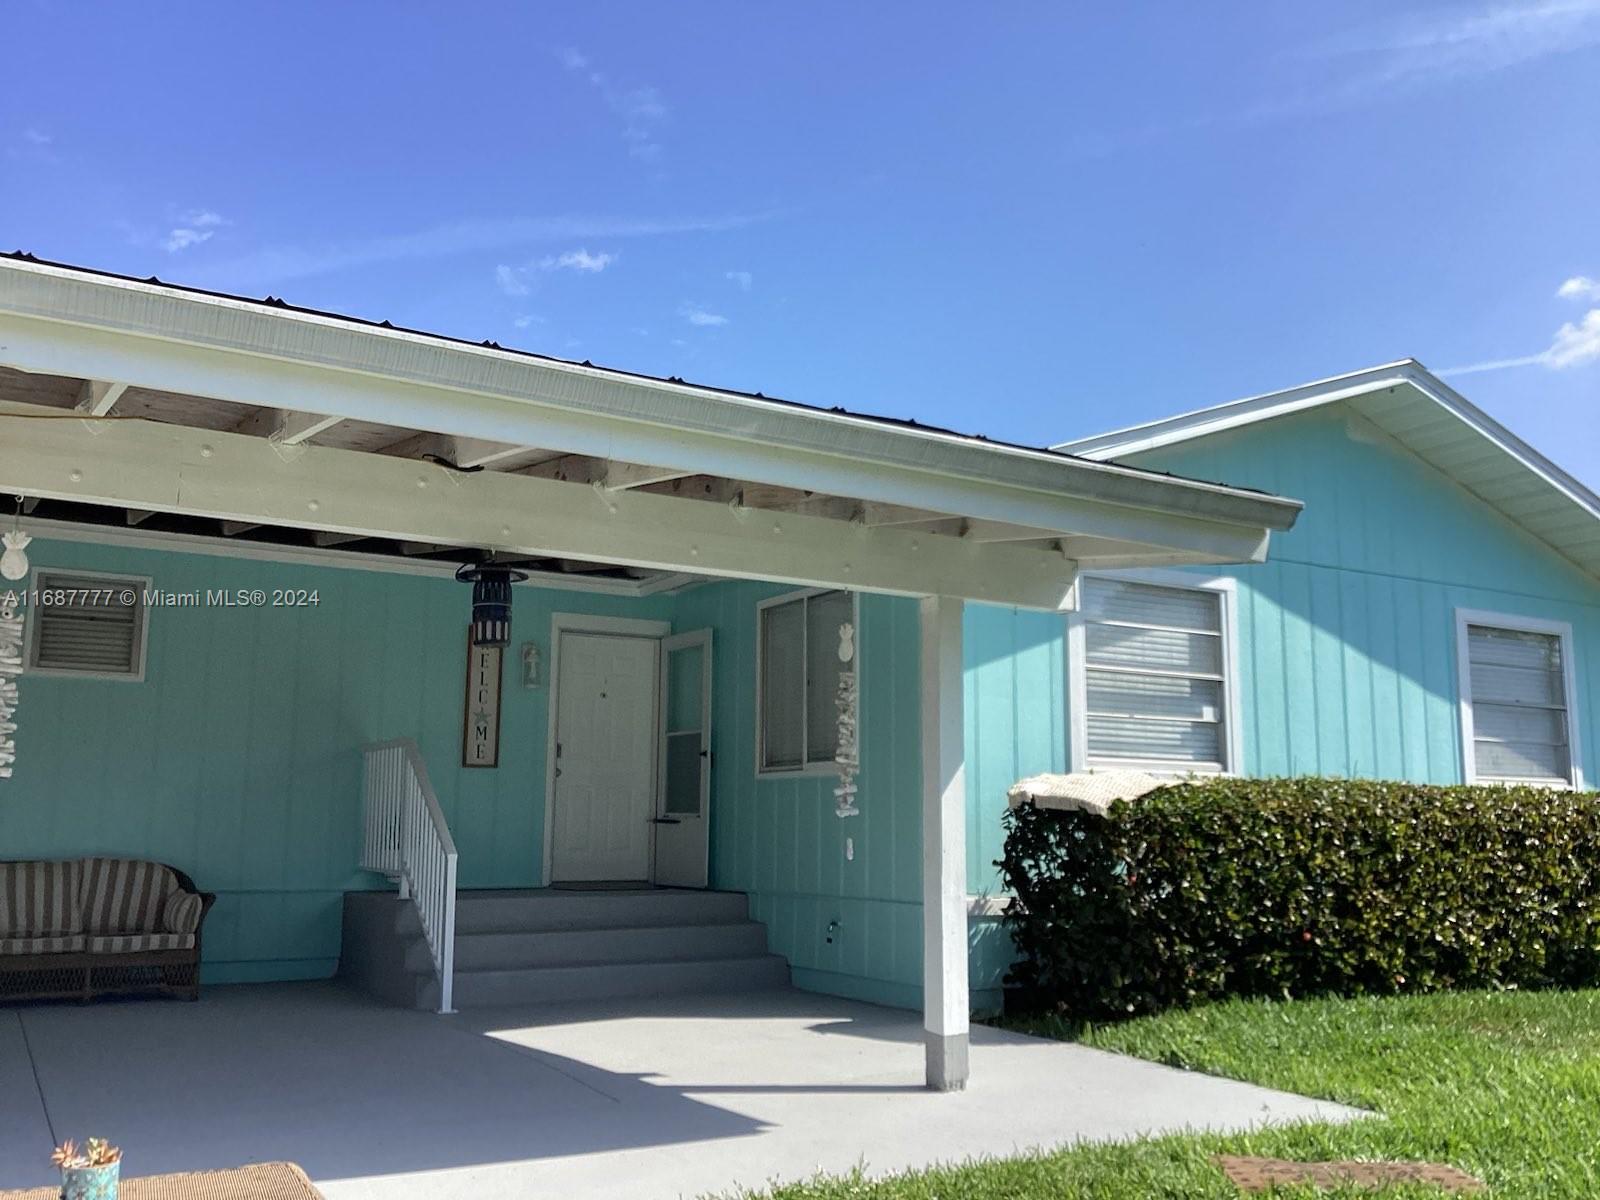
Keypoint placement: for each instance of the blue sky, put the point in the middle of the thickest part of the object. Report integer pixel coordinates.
(1032, 221)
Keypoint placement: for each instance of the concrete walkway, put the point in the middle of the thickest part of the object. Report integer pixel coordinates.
(652, 1098)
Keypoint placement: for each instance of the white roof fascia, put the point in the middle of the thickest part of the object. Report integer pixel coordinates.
(1188, 426)
(1136, 439)
(431, 383)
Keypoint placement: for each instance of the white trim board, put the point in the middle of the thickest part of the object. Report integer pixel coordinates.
(1523, 624)
(1226, 589)
(1569, 529)
(565, 622)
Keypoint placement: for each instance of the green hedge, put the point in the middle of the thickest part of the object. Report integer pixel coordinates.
(1297, 887)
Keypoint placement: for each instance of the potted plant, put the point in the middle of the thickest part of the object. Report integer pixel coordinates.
(91, 1173)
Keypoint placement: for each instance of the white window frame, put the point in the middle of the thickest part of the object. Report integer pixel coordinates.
(140, 583)
(808, 769)
(1516, 623)
(1225, 587)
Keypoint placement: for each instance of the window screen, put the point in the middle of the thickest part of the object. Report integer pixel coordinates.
(1519, 705)
(1154, 668)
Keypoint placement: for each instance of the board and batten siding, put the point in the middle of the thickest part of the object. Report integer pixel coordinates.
(779, 840)
(238, 757)
(1346, 637)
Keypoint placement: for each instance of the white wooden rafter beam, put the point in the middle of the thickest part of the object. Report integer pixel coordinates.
(285, 426)
(1002, 531)
(232, 477)
(464, 452)
(568, 468)
(712, 488)
(622, 476)
(875, 513)
(97, 397)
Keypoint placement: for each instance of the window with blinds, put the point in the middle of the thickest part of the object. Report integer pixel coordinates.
(87, 625)
(1517, 694)
(1155, 680)
(799, 677)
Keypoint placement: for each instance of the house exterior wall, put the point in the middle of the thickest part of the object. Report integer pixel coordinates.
(238, 757)
(1347, 636)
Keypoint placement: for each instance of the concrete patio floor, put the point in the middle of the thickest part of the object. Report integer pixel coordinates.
(649, 1098)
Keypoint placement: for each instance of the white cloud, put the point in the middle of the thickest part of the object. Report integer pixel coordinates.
(194, 227)
(518, 280)
(510, 280)
(1489, 38)
(1575, 344)
(578, 260)
(526, 319)
(743, 278)
(275, 264)
(696, 315)
(640, 108)
(36, 137)
(182, 239)
(1579, 287)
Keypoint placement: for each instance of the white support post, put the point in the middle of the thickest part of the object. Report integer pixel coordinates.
(945, 998)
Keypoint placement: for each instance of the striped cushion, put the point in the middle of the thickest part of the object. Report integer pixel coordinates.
(181, 912)
(130, 943)
(42, 945)
(39, 899)
(123, 895)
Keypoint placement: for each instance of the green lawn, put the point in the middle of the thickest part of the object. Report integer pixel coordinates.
(1506, 1085)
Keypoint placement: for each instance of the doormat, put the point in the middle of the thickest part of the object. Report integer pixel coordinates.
(1259, 1174)
(603, 885)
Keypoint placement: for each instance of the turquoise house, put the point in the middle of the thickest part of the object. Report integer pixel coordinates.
(789, 655)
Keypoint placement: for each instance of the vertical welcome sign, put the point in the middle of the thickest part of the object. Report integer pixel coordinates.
(480, 733)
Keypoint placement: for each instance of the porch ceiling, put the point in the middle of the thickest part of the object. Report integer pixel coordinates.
(227, 417)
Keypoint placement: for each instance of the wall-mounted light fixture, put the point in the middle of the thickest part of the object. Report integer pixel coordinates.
(532, 665)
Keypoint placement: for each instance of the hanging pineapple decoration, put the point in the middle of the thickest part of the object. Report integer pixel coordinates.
(848, 702)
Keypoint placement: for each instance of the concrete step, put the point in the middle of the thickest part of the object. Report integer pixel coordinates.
(587, 947)
(543, 985)
(543, 911)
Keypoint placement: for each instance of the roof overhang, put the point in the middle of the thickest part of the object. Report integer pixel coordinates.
(249, 409)
(1427, 417)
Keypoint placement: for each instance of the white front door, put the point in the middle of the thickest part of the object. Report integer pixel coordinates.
(605, 764)
(683, 808)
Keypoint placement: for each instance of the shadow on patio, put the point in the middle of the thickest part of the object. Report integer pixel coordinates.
(652, 1097)
(317, 1075)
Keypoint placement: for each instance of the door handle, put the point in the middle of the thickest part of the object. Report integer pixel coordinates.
(665, 821)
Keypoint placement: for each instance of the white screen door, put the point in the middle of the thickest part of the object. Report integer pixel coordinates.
(683, 804)
(605, 767)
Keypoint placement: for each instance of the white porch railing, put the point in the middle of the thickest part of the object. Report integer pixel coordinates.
(406, 837)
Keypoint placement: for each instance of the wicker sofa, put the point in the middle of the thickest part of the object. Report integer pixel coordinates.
(83, 927)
